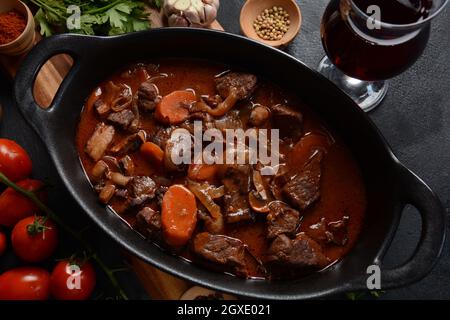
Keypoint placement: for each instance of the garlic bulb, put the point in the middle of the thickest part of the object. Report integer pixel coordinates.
(190, 13)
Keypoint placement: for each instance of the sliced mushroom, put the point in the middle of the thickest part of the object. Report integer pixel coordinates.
(119, 179)
(259, 185)
(99, 170)
(260, 198)
(221, 109)
(123, 100)
(112, 163)
(130, 143)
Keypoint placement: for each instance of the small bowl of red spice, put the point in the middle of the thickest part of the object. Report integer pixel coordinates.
(17, 32)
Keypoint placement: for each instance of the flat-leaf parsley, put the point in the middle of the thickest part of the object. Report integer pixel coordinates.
(98, 17)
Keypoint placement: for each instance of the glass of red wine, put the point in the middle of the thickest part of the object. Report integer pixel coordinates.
(370, 41)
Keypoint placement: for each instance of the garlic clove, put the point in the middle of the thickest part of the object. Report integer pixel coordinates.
(182, 5)
(210, 14)
(176, 20)
(197, 4)
(193, 16)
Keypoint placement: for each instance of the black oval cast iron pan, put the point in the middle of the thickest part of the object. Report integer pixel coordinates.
(390, 186)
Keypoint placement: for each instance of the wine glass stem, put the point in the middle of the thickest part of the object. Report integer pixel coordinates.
(367, 94)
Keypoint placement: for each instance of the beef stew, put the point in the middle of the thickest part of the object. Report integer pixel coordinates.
(228, 217)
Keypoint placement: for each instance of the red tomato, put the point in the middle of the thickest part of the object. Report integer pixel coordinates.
(2, 243)
(72, 281)
(25, 283)
(34, 239)
(15, 163)
(14, 206)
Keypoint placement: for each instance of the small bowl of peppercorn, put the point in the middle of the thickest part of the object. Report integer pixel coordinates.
(17, 28)
(273, 22)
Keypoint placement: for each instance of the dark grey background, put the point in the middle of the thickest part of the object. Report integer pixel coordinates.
(414, 119)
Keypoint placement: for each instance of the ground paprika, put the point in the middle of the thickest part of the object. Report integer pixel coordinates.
(12, 24)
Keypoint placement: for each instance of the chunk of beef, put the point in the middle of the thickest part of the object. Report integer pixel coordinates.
(99, 141)
(102, 107)
(237, 186)
(282, 219)
(222, 250)
(121, 119)
(148, 223)
(160, 136)
(99, 170)
(303, 188)
(130, 143)
(259, 116)
(334, 232)
(288, 120)
(160, 192)
(141, 189)
(127, 165)
(148, 96)
(243, 83)
(299, 253)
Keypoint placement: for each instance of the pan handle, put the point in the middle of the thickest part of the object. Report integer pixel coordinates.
(414, 191)
(76, 46)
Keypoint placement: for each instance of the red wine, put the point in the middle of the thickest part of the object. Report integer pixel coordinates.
(375, 55)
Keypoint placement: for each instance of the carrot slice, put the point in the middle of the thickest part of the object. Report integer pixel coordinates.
(305, 147)
(172, 108)
(153, 153)
(202, 172)
(178, 216)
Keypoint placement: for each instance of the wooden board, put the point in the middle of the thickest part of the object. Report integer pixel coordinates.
(158, 284)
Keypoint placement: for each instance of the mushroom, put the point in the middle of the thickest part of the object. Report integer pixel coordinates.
(130, 143)
(99, 170)
(257, 204)
(119, 179)
(221, 109)
(260, 198)
(233, 87)
(123, 99)
(190, 13)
